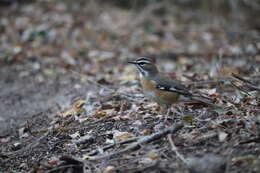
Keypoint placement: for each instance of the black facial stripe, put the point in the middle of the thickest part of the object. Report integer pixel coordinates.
(141, 69)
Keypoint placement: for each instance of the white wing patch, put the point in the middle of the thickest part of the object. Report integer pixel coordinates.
(172, 89)
(161, 87)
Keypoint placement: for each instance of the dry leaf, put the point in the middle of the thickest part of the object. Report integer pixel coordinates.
(222, 136)
(146, 132)
(208, 91)
(227, 71)
(122, 135)
(86, 157)
(75, 135)
(76, 109)
(5, 140)
(152, 156)
(100, 114)
(103, 113)
(53, 161)
(187, 119)
(109, 169)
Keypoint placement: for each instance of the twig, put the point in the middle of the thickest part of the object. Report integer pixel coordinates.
(149, 168)
(241, 78)
(240, 88)
(77, 161)
(112, 145)
(141, 141)
(174, 148)
(33, 145)
(83, 140)
(205, 137)
(256, 140)
(63, 167)
(249, 83)
(230, 100)
(101, 119)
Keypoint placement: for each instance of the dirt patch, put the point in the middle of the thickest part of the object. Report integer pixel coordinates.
(22, 97)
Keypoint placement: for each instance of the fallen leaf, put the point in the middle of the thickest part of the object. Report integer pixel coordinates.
(99, 114)
(76, 109)
(4, 140)
(187, 119)
(208, 91)
(122, 135)
(152, 156)
(228, 71)
(53, 161)
(75, 135)
(222, 136)
(146, 132)
(86, 157)
(103, 113)
(109, 169)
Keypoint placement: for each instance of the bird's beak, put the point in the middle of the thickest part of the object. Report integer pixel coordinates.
(132, 62)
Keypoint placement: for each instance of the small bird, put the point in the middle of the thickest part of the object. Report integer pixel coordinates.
(160, 87)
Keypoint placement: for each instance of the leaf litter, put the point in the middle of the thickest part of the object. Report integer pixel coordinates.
(101, 121)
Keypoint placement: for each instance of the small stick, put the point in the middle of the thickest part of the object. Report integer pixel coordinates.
(249, 83)
(141, 141)
(241, 78)
(257, 140)
(205, 137)
(77, 161)
(174, 148)
(28, 148)
(63, 167)
(240, 88)
(112, 145)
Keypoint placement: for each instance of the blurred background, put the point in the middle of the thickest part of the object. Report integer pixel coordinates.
(72, 33)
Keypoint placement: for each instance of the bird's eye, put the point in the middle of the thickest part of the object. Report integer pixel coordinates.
(141, 64)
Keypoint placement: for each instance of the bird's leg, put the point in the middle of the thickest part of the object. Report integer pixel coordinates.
(163, 110)
(168, 108)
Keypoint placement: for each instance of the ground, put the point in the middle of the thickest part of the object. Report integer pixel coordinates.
(59, 53)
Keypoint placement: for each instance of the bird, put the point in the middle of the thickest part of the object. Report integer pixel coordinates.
(161, 88)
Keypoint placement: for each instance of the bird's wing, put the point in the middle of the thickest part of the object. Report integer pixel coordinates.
(167, 84)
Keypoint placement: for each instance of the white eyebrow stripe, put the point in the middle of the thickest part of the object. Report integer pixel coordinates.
(144, 61)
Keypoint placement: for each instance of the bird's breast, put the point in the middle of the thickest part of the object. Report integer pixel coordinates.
(160, 96)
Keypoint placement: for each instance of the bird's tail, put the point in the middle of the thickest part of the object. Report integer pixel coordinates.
(205, 101)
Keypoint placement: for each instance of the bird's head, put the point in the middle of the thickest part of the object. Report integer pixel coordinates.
(146, 66)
